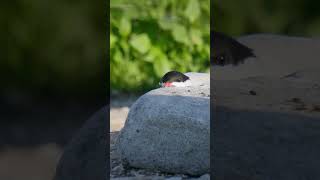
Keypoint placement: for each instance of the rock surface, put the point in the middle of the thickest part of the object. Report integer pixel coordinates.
(204, 177)
(276, 56)
(168, 129)
(267, 120)
(85, 156)
(269, 134)
(267, 112)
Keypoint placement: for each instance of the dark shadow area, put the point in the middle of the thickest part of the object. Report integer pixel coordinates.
(40, 123)
(265, 113)
(251, 145)
(85, 157)
(53, 77)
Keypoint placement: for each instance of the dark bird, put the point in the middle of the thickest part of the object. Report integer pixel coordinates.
(174, 79)
(226, 50)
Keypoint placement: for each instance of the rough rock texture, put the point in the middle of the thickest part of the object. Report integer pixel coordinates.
(168, 129)
(203, 177)
(117, 170)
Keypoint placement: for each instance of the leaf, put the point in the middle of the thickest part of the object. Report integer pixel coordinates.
(156, 37)
(125, 27)
(113, 40)
(195, 36)
(149, 58)
(155, 52)
(161, 66)
(180, 34)
(192, 11)
(118, 57)
(124, 45)
(166, 23)
(141, 43)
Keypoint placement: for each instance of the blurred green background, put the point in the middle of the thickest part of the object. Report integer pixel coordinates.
(53, 77)
(59, 48)
(151, 37)
(296, 18)
(54, 48)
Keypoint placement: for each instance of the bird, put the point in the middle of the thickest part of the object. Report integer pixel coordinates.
(227, 51)
(175, 79)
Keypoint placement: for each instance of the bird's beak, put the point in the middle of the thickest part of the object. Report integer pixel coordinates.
(167, 84)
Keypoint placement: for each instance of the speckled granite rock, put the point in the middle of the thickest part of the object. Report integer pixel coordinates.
(168, 129)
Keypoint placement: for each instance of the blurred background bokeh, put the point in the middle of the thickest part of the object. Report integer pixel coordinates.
(150, 37)
(296, 18)
(53, 74)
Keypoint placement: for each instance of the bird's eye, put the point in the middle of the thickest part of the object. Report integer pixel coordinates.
(221, 60)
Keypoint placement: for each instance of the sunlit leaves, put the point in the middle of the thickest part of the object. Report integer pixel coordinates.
(113, 40)
(179, 34)
(195, 36)
(149, 38)
(125, 27)
(161, 66)
(193, 10)
(140, 43)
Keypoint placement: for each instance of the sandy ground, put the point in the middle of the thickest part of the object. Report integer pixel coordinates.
(33, 135)
(36, 163)
(119, 110)
(118, 117)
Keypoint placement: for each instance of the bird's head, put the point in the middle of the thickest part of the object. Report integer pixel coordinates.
(174, 79)
(227, 50)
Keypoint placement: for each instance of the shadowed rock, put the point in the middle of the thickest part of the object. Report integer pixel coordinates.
(275, 56)
(271, 134)
(85, 156)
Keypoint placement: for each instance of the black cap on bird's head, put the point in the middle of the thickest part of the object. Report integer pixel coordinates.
(175, 79)
(227, 50)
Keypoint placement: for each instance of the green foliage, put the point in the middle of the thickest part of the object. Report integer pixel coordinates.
(56, 47)
(150, 37)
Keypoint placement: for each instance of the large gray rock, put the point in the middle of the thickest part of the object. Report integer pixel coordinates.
(168, 129)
